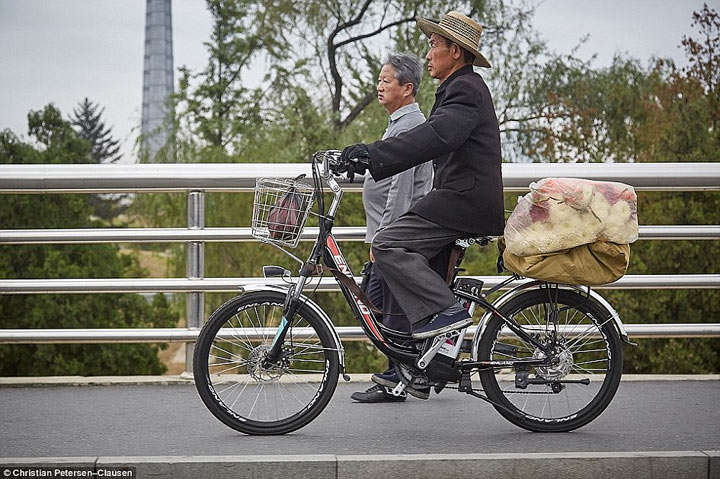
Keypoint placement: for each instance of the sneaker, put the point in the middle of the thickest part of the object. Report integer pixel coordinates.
(390, 380)
(442, 323)
(377, 394)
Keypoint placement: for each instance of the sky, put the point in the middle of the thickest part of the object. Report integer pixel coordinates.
(62, 51)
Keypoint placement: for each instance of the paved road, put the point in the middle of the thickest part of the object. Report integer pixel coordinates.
(171, 420)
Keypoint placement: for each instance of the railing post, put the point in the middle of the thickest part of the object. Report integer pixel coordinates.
(195, 269)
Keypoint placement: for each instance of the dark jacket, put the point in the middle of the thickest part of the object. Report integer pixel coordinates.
(462, 138)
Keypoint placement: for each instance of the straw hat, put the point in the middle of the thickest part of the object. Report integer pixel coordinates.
(459, 29)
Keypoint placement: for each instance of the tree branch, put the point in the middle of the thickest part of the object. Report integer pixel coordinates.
(366, 35)
(364, 101)
(332, 50)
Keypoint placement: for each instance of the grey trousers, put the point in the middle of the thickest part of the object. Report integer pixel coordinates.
(402, 253)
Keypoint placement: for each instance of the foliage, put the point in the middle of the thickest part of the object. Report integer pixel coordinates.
(674, 118)
(323, 61)
(56, 142)
(88, 124)
(215, 105)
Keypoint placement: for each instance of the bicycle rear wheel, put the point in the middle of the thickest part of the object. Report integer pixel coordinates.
(588, 348)
(244, 394)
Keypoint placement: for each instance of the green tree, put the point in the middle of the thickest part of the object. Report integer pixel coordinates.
(88, 124)
(215, 105)
(625, 113)
(318, 94)
(56, 142)
(679, 122)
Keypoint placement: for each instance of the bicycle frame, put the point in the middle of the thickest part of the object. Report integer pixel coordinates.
(327, 248)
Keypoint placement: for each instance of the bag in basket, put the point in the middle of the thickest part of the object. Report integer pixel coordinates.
(284, 218)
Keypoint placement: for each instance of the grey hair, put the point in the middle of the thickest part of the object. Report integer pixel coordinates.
(408, 69)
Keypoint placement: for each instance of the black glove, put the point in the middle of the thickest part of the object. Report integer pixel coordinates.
(354, 159)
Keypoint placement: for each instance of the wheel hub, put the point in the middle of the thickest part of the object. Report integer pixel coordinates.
(260, 373)
(563, 363)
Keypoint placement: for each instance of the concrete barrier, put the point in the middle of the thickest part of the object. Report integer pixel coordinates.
(575, 465)
(714, 466)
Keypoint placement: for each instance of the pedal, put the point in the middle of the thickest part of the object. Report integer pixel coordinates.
(399, 389)
(465, 382)
(522, 379)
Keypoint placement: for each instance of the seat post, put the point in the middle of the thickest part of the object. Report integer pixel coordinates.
(456, 256)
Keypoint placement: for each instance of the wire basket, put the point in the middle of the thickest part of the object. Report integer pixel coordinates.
(280, 210)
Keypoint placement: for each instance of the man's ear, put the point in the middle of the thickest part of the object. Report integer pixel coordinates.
(456, 51)
(407, 89)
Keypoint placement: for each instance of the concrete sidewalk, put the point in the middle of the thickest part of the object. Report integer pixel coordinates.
(656, 427)
(576, 465)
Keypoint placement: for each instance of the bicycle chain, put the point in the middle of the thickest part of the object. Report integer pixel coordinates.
(509, 392)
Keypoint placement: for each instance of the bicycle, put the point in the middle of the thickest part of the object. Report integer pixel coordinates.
(548, 356)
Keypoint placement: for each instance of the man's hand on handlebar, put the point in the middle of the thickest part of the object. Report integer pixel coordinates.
(354, 159)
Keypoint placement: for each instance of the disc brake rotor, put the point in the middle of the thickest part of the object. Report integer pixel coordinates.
(556, 371)
(260, 373)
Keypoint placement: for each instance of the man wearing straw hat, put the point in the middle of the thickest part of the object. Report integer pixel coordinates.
(462, 138)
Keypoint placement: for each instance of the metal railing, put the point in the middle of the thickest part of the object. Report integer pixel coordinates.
(89, 178)
(197, 179)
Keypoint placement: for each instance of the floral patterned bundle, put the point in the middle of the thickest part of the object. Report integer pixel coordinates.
(561, 213)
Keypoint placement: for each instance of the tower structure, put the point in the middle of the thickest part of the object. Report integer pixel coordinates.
(158, 74)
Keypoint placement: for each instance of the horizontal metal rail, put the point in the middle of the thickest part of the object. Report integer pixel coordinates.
(351, 233)
(347, 333)
(88, 178)
(327, 284)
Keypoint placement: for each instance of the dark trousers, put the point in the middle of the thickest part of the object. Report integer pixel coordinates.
(392, 314)
(404, 253)
(379, 293)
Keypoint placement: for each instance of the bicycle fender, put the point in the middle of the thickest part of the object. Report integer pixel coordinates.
(602, 302)
(251, 288)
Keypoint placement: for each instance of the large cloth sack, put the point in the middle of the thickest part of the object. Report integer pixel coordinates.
(561, 213)
(590, 264)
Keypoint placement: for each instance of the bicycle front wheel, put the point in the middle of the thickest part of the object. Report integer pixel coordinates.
(588, 361)
(243, 392)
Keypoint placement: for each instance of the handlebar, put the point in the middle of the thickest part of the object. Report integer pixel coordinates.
(330, 161)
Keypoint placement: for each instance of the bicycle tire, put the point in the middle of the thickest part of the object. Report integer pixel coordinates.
(595, 354)
(244, 395)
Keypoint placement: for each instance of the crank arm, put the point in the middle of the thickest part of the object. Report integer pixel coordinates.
(437, 343)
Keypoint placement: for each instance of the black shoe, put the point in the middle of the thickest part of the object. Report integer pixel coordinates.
(376, 394)
(443, 323)
(390, 380)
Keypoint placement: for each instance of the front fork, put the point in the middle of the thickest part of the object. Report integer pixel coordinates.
(292, 303)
